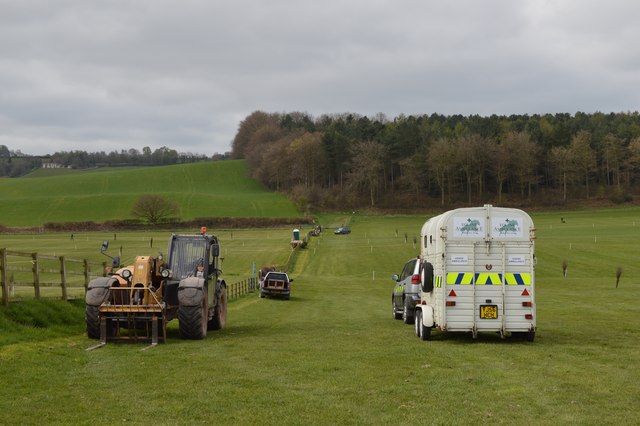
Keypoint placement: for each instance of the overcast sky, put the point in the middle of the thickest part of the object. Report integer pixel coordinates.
(104, 75)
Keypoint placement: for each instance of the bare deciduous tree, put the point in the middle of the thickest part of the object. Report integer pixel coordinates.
(441, 160)
(560, 158)
(525, 161)
(367, 167)
(583, 156)
(154, 208)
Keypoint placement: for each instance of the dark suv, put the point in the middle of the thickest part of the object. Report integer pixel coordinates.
(406, 292)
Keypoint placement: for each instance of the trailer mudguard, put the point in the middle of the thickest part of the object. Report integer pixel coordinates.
(98, 290)
(427, 316)
(191, 291)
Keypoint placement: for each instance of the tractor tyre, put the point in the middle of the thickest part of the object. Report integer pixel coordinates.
(192, 320)
(219, 320)
(92, 319)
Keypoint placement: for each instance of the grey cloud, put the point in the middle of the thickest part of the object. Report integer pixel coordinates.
(127, 74)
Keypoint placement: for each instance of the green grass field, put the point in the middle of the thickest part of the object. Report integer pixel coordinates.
(333, 355)
(209, 189)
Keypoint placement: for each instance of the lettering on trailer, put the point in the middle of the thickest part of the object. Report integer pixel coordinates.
(505, 227)
(485, 278)
(459, 260)
(469, 227)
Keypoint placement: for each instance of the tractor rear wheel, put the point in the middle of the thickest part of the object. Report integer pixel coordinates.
(192, 320)
(219, 320)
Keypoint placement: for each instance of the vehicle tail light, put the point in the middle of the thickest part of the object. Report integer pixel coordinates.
(451, 303)
(527, 304)
(528, 316)
(415, 279)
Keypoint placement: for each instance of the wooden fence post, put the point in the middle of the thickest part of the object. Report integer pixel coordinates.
(36, 274)
(86, 274)
(63, 278)
(3, 276)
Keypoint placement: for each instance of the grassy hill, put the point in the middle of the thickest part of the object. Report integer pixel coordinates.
(333, 355)
(211, 189)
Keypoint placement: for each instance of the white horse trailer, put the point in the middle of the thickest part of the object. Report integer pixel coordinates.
(478, 273)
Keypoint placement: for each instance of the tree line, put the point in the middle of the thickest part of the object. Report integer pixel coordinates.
(15, 163)
(349, 160)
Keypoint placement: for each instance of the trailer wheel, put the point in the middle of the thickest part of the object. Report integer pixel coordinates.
(528, 336)
(407, 317)
(425, 332)
(418, 323)
(192, 320)
(394, 312)
(219, 320)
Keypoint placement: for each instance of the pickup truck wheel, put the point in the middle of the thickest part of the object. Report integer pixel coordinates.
(407, 316)
(394, 312)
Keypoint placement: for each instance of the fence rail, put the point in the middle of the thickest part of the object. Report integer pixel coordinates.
(241, 288)
(30, 272)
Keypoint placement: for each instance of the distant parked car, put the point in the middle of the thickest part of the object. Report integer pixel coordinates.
(406, 291)
(342, 230)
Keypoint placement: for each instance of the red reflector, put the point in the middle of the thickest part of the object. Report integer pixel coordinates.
(527, 304)
(451, 303)
(525, 293)
(415, 279)
(452, 293)
(528, 316)
(203, 230)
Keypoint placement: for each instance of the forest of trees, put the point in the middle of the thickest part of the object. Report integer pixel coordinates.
(348, 160)
(15, 163)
